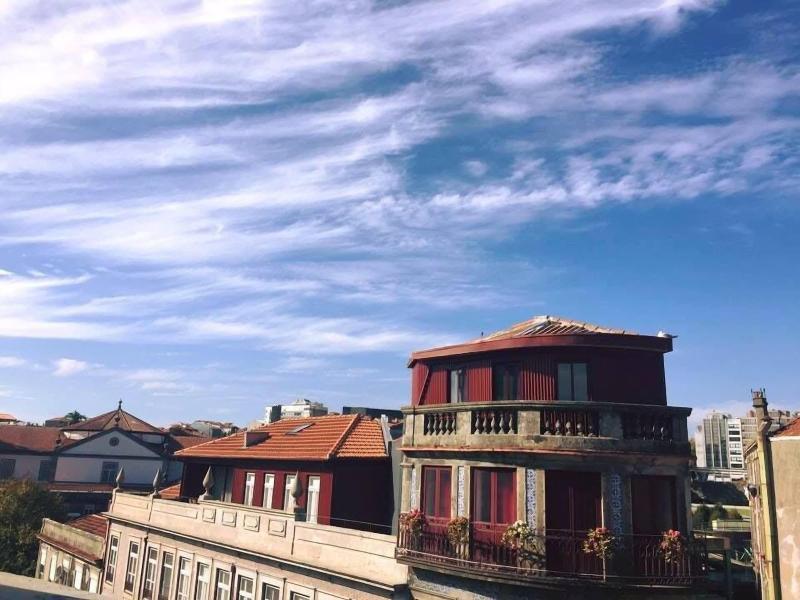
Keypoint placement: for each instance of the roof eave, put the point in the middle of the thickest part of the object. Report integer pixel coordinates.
(650, 343)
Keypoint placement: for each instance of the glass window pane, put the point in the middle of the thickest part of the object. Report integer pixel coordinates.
(505, 494)
(580, 382)
(443, 510)
(564, 381)
(429, 491)
(269, 592)
(482, 497)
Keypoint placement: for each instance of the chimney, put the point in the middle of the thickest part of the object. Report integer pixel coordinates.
(254, 437)
(760, 408)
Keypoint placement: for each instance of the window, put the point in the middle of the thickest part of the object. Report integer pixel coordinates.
(203, 581)
(249, 486)
(288, 499)
(184, 574)
(458, 386)
(133, 565)
(573, 382)
(223, 590)
(269, 489)
(493, 496)
(150, 570)
(436, 492)
(312, 506)
(111, 563)
(109, 471)
(7, 466)
(42, 563)
(270, 592)
(504, 382)
(247, 588)
(47, 470)
(53, 567)
(167, 564)
(299, 596)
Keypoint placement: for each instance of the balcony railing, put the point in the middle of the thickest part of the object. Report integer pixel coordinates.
(531, 423)
(638, 559)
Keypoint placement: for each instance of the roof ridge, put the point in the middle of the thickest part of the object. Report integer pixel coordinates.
(345, 434)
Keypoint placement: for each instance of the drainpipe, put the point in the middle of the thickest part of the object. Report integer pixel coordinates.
(768, 498)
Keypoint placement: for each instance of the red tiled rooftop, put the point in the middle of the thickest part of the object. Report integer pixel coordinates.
(94, 524)
(187, 441)
(115, 418)
(313, 438)
(7, 417)
(27, 437)
(172, 492)
(790, 430)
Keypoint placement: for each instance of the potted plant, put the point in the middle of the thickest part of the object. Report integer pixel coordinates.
(412, 523)
(672, 546)
(522, 539)
(600, 542)
(458, 535)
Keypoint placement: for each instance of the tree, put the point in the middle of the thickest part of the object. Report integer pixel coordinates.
(702, 517)
(74, 417)
(23, 505)
(718, 512)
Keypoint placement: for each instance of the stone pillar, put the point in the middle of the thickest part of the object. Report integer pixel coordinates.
(461, 491)
(405, 494)
(616, 491)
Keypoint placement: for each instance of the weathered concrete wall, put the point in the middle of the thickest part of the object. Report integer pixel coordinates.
(268, 545)
(786, 467)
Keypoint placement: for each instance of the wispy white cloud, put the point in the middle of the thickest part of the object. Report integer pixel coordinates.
(65, 367)
(9, 362)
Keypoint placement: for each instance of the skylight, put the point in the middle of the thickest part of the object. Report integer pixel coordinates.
(299, 428)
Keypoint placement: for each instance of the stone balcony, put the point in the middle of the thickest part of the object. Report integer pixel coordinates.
(529, 425)
(357, 555)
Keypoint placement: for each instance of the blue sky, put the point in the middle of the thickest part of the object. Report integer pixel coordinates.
(207, 207)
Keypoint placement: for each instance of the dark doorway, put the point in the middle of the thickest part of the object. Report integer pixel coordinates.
(572, 508)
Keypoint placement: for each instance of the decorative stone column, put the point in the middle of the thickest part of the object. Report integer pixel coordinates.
(405, 492)
(616, 491)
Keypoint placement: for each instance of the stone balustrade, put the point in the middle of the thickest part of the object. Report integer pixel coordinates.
(528, 424)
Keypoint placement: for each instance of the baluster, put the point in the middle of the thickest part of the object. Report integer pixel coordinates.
(579, 424)
(426, 425)
(591, 428)
(514, 416)
(546, 422)
(568, 426)
(557, 427)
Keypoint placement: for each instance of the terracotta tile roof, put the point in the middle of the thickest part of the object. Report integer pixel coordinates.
(172, 492)
(792, 429)
(366, 439)
(7, 417)
(115, 418)
(187, 441)
(551, 325)
(94, 524)
(30, 438)
(313, 438)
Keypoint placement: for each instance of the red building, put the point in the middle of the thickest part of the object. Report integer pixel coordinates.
(342, 463)
(561, 427)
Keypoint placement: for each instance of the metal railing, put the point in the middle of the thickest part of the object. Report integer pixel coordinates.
(637, 559)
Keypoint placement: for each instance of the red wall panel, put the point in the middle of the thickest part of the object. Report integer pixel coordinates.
(479, 382)
(537, 378)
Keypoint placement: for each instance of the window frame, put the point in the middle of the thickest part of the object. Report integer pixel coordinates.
(206, 580)
(313, 517)
(265, 587)
(226, 587)
(187, 560)
(105, 468)
(267, 498)
(131, 566)
(461, 385)
(510, 382)
(111, 564)
(47, 470)
(252, 578)
(494, 494)
(288, 500)
(571, 380)
(249, 488)
(4, 464)
(165, 583)
(150, 579)
(437, 471)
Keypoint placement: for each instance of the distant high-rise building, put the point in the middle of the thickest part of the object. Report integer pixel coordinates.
(301, 407)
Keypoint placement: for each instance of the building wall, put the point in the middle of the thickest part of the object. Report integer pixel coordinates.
(622, 376)
(26, 466)
(786, 468)
(87, 469)
(318, 561)
(75, 573)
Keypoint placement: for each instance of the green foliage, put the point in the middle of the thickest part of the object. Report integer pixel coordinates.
(718, 512)
(735, 515)
(74, 417)
(702, 517)
(23, 505)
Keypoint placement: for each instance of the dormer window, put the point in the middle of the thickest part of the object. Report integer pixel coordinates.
(299, 428)
(573, 382)
(457, 386)
(505, 378)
